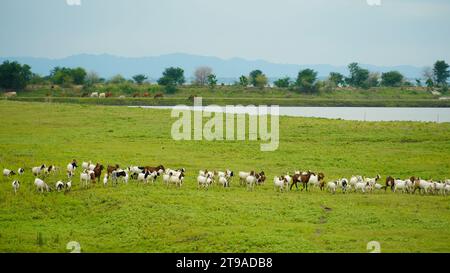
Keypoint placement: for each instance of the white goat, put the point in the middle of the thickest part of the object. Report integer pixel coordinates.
(204, 181)
(41, 185)
(363, 186)
(37, 170)
(354, 180)
(400, 185)
(243, 176)
(85, 177)
(280, 183)
(59, 186)
(105, 179)
(15, 185)
(176, 179)
(8, 173)
(224, 181)
(251, 181)
(331, 186)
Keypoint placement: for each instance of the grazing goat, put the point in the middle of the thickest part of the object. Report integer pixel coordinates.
(159, 169)
(15, 185)
(400, 185)
(446, 188)
(390, 183)
(146, 176)
(105, 179)
(331, 186)
(94, 95)
(37, 170)
(280, 183)
(135, 171)
(50, 169)
(59, 186)
(85, 165)
(176, 179)
(41, 185)
(68, 186)
(251, 181)
(315, 180)
(8, 173)
(354, 180)
(71, 168)
(363, 186)
(261, 178)
(227, 173)
(423, 186)
(343, 184)
(110, 169)
(120, 174)
(86, 177)
(21, 171)
(224, 181)
(243, 176)
(437, 187)
(98, 172)
(102, 95)
(204, 181)
(373, 181)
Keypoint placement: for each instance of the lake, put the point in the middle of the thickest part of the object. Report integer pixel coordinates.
(357, 113)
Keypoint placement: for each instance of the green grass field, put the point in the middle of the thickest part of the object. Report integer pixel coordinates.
(153, 218)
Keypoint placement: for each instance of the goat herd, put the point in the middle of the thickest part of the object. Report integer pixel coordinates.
(91, 173)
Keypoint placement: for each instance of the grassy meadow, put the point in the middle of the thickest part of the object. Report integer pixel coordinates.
(153, 218)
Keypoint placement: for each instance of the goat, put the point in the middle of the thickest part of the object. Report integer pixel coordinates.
(8, 173)
(37, 170)
(41, 185)
(15, 185)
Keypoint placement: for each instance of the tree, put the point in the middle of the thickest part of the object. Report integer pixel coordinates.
(201, 75)
(418, 83)
(336, 78)
(391, 78)
(441, 73)
(428, 76)
(358, 75)
(78, 75)
(37, 79)
(117, 79)
(172, 77)
(14, 75)
(306, 79)
(260, 81)
(372, 80)
(67, 76)
(91, 79)
(212, 80)
(282, 82)
(253, 75)
(429, 83)
(139, 78)
(243, 81)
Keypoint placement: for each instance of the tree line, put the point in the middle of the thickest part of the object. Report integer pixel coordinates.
(14, 76)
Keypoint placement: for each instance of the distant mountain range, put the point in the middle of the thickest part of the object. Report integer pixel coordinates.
(227, 70)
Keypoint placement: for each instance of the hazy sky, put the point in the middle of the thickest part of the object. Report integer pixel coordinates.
(415, 32)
